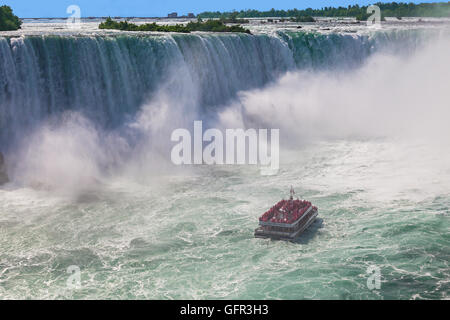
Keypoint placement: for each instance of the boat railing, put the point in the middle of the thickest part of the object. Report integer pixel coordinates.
(285, 225)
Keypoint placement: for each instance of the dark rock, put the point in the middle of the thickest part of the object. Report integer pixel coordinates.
(3, 176)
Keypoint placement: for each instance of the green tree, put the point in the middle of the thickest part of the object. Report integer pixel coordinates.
(8, 21)
(393, 9)
(209, 25)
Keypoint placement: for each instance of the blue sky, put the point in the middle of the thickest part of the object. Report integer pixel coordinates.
(153, 8)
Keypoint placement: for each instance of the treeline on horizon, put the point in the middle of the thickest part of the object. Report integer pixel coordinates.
(393, 9)
(209, 26)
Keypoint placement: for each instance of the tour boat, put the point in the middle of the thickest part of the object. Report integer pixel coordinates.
(287, 219)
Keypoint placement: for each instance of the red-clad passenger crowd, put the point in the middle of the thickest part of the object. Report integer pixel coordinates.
(286, 211)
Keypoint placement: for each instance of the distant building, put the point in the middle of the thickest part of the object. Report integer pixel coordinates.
(172, 15)
(191, 15)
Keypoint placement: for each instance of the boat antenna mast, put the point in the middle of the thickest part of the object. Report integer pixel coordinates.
(292, 192)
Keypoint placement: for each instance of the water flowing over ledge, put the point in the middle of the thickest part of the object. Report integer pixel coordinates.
(108, 78)
(82, 193)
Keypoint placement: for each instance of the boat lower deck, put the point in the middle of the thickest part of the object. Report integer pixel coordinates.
(290, 233)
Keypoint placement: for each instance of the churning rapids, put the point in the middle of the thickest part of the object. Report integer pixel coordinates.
(85, 123)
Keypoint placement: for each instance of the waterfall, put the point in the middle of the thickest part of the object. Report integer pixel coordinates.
(108, 78)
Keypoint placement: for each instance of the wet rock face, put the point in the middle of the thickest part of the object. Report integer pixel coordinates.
(3, 176)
